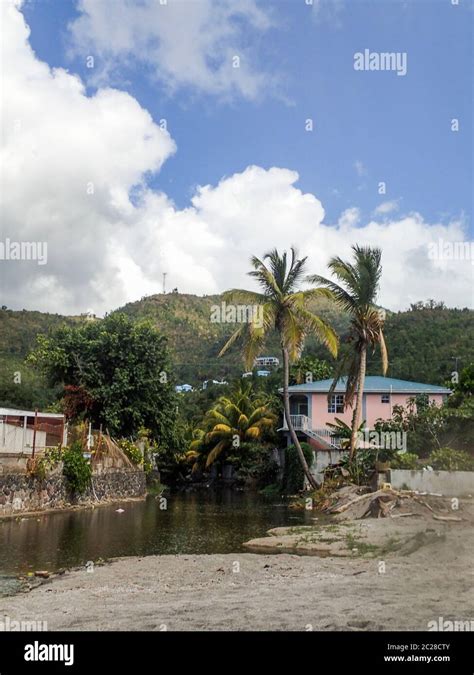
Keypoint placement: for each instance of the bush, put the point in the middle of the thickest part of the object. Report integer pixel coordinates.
(76, 468)
(255, 463)
(447, 459)
(293, 477)
(133, 453)
(42, 466)
(405, 460)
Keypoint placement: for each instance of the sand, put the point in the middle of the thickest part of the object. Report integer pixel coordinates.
(403, 587)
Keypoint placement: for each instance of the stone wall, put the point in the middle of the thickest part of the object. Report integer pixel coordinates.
(20, 493)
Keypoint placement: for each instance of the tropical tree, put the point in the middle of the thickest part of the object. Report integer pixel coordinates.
(286, 309)
(310, 369)
(114, 372)
(357, 295)
(239, 418)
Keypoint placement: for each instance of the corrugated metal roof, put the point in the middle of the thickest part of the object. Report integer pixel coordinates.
(375, 384)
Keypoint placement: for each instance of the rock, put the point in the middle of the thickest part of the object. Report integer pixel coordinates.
(44, 574)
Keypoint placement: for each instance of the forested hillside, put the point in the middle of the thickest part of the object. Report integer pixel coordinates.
(423, 342)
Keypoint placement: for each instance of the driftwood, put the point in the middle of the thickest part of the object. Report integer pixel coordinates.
(349, 504)
(369, 495)
(453, 519)
(422, 501)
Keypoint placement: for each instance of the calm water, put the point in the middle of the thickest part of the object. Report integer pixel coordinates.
(202, 522)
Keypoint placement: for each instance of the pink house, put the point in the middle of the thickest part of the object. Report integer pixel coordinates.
(311, 409)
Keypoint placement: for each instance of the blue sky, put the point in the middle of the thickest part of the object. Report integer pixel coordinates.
(397, 128)
(120, 197)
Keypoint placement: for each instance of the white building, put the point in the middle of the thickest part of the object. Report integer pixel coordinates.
(21, 429)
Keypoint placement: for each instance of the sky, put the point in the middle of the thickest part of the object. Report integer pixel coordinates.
(142, 137)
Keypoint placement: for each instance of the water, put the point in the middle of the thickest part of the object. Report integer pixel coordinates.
(199, 522)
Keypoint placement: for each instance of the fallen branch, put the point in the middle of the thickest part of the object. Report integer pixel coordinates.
(453, 519)
(420, 501)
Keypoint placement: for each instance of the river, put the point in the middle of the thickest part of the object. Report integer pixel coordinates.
(194, 522)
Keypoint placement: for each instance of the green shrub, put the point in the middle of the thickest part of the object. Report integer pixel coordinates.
(447, 459)
(46, 463)
(76, 468)
(133, 453)
(405, 460)
(293, 477)
(255, 463)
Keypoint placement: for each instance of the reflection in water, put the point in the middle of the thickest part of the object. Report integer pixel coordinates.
(203, 522)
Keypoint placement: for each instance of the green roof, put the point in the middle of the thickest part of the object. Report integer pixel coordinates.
(374, 384)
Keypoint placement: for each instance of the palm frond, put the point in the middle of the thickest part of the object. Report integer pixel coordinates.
(244, 297)
(236, 335)
(344, 299)
(324, 332)
(383, 352)
(214, 454)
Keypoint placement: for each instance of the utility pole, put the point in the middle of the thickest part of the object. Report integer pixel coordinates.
(164, 282)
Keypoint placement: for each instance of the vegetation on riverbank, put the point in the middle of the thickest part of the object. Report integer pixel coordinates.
(119, 374)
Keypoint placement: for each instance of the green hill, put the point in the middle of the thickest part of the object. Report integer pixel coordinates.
(195, 341)
(422, 342)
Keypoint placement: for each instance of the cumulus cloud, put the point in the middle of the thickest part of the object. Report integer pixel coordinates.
(349, 218)
(386, 207)
(71, 161)
(202, 45)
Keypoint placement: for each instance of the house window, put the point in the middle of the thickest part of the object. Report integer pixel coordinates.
(336, 403)
(385, 398)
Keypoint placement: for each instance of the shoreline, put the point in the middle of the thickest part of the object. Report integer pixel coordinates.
(71, 507)
(404, 589)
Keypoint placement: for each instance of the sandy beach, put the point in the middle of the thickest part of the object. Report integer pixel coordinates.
(248, 591)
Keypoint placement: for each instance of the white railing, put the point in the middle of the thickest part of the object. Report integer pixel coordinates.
(326, 433)
(299, 422)
(303, 423)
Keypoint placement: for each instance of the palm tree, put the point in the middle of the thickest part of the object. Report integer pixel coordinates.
(343, 431)
(357, 295)
(243, 415)
(285, 309)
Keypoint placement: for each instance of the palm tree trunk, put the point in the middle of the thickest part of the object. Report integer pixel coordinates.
(286, 404)
(358, 407)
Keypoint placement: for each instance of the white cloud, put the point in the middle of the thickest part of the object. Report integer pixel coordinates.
(182, 43)
(105, 250)
(349, 218)
(328, 11)
(386, 207)
(360, 168)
